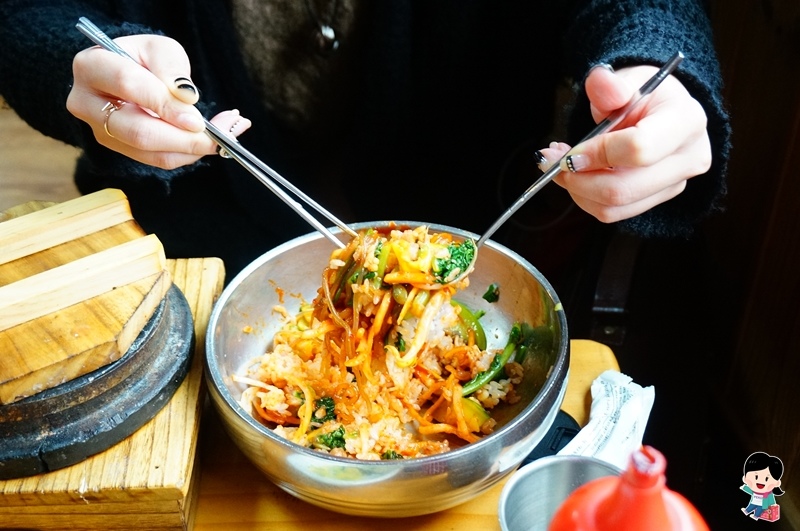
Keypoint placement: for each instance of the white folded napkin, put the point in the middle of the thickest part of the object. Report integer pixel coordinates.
(617, 420)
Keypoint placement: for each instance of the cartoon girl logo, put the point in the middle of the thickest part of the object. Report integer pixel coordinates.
(762, 481)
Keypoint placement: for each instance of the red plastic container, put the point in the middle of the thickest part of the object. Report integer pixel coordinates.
(638, 499)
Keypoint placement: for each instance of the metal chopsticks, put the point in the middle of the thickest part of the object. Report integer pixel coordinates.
(241, 155)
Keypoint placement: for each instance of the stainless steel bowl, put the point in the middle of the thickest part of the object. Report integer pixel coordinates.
(242, 325)
(532, 495)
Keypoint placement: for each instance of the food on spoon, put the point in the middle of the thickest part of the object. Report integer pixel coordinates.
(375, 366)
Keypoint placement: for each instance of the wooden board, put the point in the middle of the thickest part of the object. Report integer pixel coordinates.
(147, 481)
(78, 282)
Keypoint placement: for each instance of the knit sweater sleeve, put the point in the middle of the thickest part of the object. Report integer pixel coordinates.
(39, 39)
(629, 32)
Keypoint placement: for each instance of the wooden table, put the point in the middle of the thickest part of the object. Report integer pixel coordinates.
(157, 479)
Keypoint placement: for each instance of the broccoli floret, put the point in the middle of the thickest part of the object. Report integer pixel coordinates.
(461, 255)
(324, 410)
(334, 439)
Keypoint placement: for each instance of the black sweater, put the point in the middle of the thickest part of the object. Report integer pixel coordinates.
(446, 104)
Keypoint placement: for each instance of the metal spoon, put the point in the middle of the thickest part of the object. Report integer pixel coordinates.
(607, 124)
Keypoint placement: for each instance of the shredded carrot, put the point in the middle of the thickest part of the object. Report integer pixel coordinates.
(408, 277)
(271, 416)
(347, 347)
(431, 429)
(410, 409)
(458, 409)
(434, 388)
(434, 407)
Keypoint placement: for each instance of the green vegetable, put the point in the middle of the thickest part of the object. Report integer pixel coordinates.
(539, 339)
(400, 343)
(522, 339)
(492, 293)
(342, 276)
(334, 439)
(461, 255)
(399, 294)
(470, 319)
(391, 454)
(474, 414)
(382, 253)
(420, 301)
(327, 405)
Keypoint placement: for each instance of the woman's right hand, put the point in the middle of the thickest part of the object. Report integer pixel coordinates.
(157, 124)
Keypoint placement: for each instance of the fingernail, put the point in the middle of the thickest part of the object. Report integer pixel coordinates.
(191, 121)
(603, 65)
(575, 163)
(184, 83)
(541, 161)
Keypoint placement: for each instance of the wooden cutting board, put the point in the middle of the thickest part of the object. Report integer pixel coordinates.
(78, 282)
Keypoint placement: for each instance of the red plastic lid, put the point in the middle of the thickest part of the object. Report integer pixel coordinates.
(638, 499)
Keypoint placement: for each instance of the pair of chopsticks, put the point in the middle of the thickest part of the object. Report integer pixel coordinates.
(232, 148)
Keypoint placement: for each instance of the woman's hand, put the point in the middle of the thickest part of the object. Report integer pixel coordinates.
(644, 161)
(145, 112)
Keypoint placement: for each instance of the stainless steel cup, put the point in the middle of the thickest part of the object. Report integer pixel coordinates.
(534, 492)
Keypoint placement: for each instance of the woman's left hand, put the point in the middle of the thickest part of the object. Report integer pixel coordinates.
(647, 159)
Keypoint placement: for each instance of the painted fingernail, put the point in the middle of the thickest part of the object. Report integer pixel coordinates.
(541, 161)
(184, 83)
(575, 163)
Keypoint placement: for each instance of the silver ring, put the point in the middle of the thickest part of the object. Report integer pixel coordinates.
(109, 108)
(222, 152)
